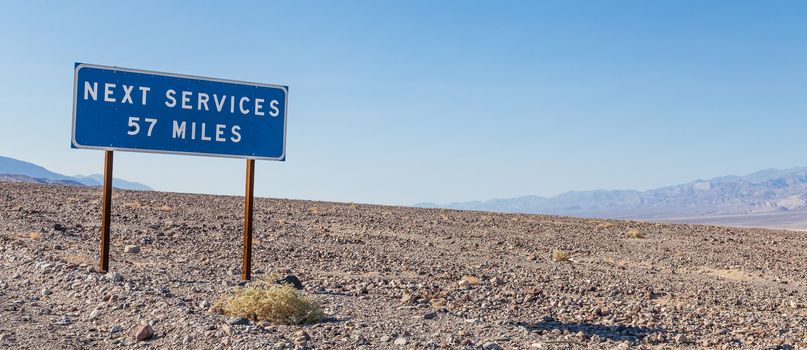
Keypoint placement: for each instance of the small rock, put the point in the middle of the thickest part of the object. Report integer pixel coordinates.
(215, 309)
(400, 341)
(491, 346)
(46, 267)
(116, 277)
(496, 281)
(430, 315)
(46, 291)
(131, 249)
(385, 338)
(59, 228)
(144, 332)
(464, 284)
(406, 299)
(301, 337)
(94, 314)
(64, 321)
(681, 339)
(292, 280)
(237, 321)
(115, 329)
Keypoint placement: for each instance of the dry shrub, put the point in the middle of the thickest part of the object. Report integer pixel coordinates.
(604, 225)
(135, 205)
(439, 303)
(313, 210)
(354, 205)
(275, 303)
(560, 256)
(165, 208)
(635, 233)
(471, 280)
(35, 235)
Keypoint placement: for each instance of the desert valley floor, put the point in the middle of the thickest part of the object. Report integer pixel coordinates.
(388, 277)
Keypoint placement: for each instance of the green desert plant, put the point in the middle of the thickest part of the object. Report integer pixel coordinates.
(264, 300)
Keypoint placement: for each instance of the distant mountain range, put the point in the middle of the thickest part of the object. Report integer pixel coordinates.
(768, 198)
(15, 170)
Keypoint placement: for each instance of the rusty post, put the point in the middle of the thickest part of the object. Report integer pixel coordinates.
(246, 263)
(106, 203)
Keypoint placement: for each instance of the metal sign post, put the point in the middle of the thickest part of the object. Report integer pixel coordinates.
(106, 212)
(123, 109)
(246, 262)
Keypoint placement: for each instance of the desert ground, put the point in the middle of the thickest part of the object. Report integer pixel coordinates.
(388, 277)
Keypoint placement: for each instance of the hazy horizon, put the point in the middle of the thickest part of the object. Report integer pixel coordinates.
(442, 204)
(386, 103)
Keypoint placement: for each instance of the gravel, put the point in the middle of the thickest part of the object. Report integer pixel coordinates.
(387, 277)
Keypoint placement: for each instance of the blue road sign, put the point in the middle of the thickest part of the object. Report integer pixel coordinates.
(134, 110)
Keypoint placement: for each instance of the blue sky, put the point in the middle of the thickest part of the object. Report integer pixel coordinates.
(408, 101)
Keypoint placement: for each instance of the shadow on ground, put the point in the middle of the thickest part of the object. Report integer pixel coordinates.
(616, 333)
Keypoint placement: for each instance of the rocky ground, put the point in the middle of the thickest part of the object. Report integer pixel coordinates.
(388, 277)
